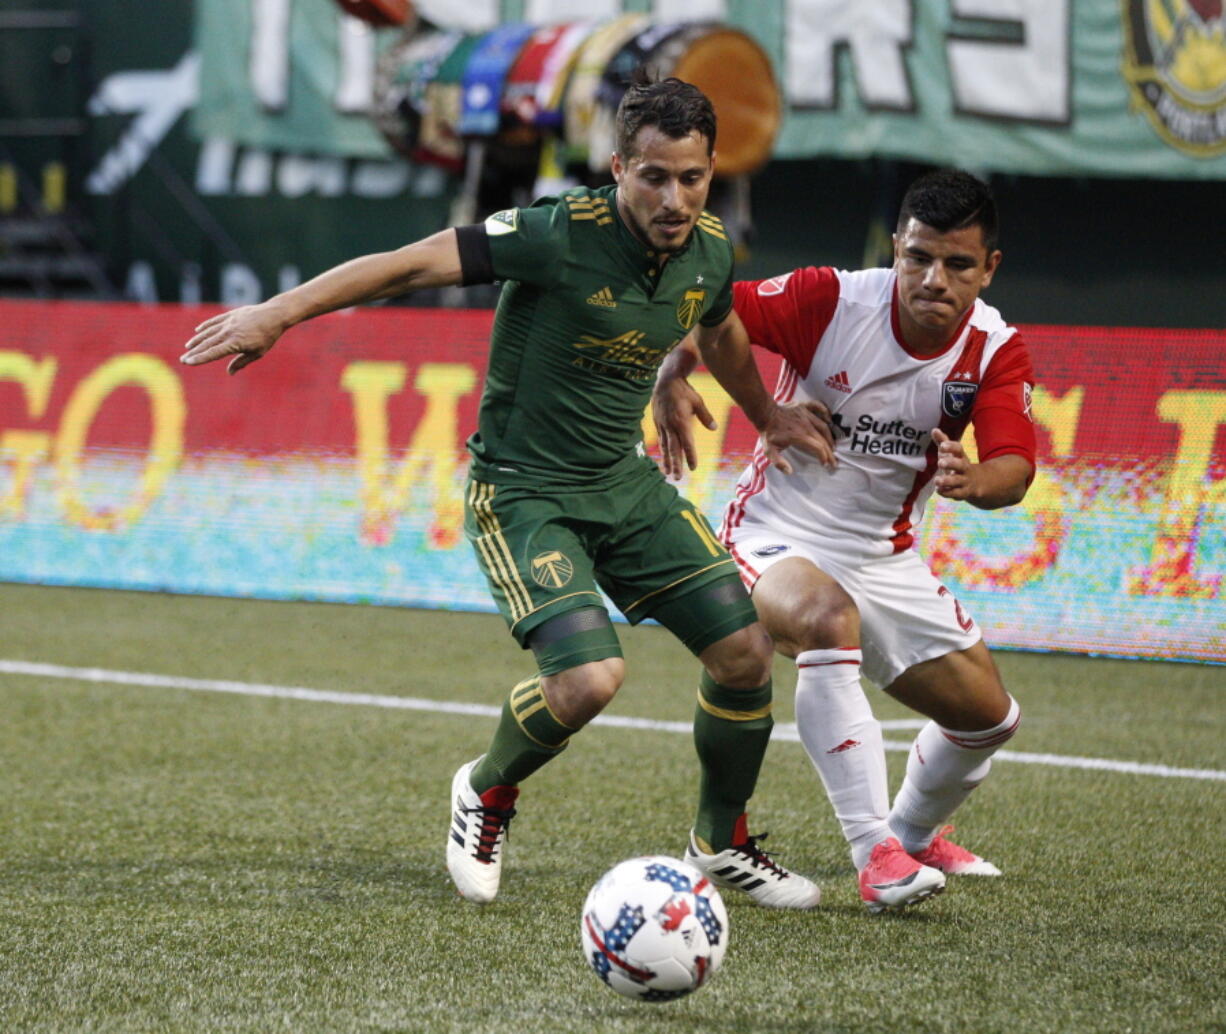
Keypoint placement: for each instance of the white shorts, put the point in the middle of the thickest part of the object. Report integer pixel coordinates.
(906, 614)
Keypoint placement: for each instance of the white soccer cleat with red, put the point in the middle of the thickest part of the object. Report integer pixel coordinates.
(745, 866)
(947, 856)
(478, 832)
(892, 879)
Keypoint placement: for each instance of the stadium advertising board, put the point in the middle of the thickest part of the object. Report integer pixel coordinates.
(334, 471)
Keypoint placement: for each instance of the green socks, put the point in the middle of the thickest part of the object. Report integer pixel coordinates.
(732, 728)
(528, 737)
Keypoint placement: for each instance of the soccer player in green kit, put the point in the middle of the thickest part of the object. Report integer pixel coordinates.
(599, 285)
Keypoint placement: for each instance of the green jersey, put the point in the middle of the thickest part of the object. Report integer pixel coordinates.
(585, 318)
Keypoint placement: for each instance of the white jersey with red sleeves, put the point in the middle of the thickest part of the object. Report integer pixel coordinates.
(839, 336)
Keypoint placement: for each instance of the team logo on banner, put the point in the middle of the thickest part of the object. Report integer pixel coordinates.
(957, 398)
(1175, 62)
(691, 308)
(552, 570)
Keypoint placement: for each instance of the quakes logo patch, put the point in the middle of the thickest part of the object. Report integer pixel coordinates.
(1175, 65)
(957, 397)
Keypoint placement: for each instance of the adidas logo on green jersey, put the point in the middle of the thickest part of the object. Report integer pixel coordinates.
(604, 298)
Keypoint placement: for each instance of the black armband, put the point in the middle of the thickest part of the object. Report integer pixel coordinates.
(476, 259)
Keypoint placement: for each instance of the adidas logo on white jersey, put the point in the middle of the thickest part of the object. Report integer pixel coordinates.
(604, 298)
(839, 382)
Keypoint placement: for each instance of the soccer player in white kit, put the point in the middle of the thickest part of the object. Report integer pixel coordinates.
(900, 361)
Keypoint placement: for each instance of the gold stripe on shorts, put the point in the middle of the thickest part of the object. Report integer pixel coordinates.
(496, 552)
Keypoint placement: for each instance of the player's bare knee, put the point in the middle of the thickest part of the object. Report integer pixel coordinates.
(988, 709)
(579, 694)
(821, 619)
(741, 660)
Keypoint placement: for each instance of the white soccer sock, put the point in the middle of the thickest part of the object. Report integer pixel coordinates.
(943, 767)
(843, 740)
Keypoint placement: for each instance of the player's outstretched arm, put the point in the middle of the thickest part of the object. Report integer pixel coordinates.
(248, 332)
(997, 482)
(674, 407)
(726, 350)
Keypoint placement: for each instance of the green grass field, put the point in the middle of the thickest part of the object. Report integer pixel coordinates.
(175, 860)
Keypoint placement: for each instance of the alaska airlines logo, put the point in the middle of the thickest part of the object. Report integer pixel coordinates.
(1175, 64)
(626, 349)
(552, 570)
(691, 307)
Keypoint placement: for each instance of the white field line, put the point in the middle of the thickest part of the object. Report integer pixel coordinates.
(785, 731)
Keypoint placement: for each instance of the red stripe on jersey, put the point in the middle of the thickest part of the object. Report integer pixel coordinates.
(749, 574)
(966, 370)
(789, 314)
(1001, 416)
(735, 513)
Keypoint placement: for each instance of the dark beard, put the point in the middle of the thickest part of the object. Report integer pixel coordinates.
(668, 249)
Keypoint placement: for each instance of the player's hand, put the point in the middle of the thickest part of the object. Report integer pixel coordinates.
(246, 333)
(674, 407)
(953, 478)
(800, 425)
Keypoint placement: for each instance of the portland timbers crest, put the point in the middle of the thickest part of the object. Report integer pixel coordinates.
(690, 307)
(1175, 64)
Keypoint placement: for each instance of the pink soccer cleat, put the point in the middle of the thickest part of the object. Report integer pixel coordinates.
(954, 860)
(892, 879)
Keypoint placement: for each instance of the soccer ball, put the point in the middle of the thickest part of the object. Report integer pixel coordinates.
(654, 928)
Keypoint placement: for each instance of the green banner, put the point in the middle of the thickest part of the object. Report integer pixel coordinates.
(1119, 88)
(287, 76)
(1096, 87)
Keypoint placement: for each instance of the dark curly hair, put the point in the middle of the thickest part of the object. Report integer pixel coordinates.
(676, 108)
(950, 199)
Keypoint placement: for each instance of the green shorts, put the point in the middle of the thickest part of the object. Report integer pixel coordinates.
(547, 549)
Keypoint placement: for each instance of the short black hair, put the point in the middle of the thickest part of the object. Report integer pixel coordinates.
(950, 199)
(674, 107)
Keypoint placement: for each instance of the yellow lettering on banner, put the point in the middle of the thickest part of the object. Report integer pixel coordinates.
(1059, 415)
(169, 412)
(1190, 501)
(708, 445)
(434, 442)
(23, 449)
(1045, 504)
